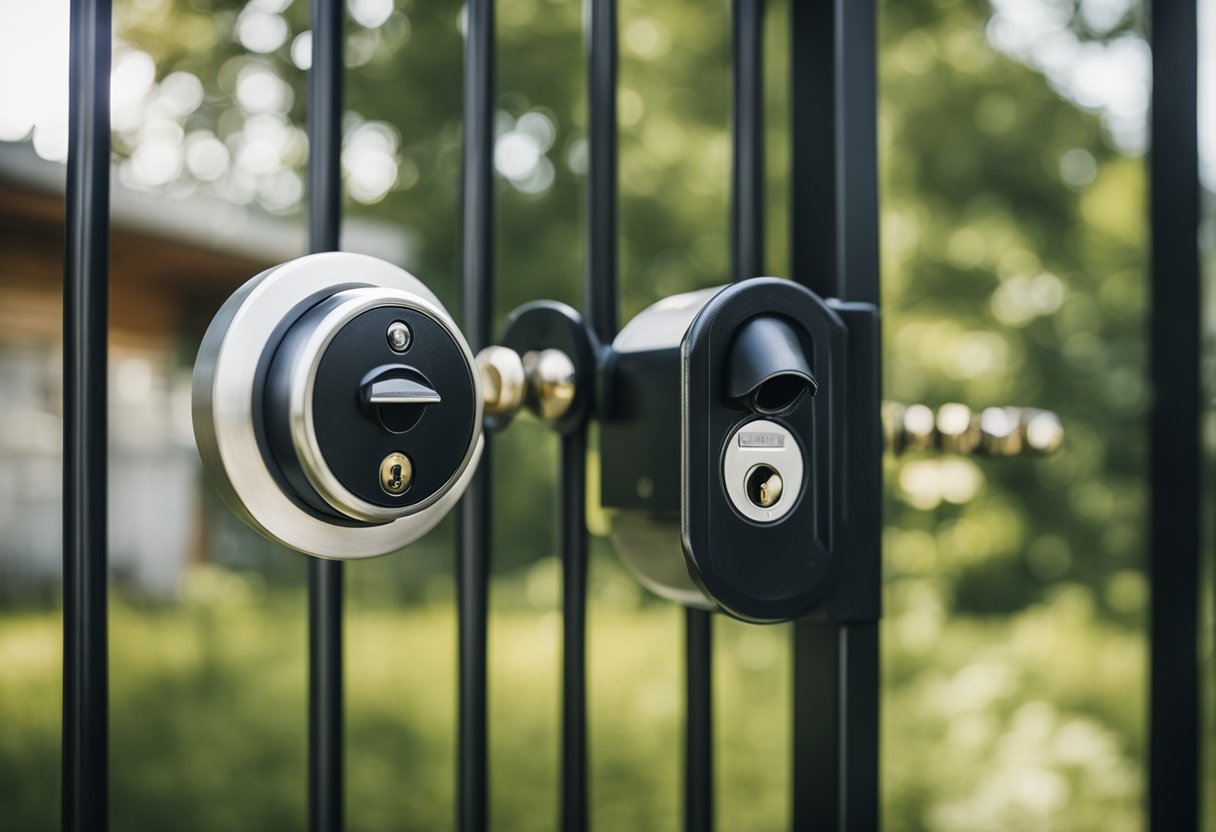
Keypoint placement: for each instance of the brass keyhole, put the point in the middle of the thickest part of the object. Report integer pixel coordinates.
(764, 486)
(396, 473)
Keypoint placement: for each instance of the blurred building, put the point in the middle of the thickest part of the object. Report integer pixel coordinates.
(173, 261)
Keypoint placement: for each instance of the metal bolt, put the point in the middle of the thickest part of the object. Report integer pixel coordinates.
(396, 473)
(399, 336)
(503, 381)
(551, 383)
(542, 381)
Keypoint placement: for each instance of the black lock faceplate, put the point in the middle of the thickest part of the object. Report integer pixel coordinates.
(354, 437)
(763, 571)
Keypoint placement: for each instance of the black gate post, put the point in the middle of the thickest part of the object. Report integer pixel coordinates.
(834, 237)
(473, 521)
(85, 798)
(1176, 483)
(325, 734)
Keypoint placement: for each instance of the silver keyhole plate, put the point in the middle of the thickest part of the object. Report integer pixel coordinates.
(762, 442)
(233, 353)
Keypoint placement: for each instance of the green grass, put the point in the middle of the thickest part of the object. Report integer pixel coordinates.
(1031, 722)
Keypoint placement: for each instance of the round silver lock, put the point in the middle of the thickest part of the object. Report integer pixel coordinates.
(301, 401)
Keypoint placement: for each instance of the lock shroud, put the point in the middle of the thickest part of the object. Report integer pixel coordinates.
(302, 392)
(734, 479)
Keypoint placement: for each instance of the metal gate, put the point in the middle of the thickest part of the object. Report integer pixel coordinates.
(834, 250)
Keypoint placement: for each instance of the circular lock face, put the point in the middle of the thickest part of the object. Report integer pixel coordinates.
(305, 388)
(339, 399)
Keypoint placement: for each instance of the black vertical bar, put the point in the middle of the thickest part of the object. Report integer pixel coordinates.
(813, 236)
(601, 168)
(834, 251)
(856, 115)
(473, 529)
(573, 485)
(834, 212)
(325, 665)
(325, 774)
(601, 303)
(836, 701)
(747, 252)
(472, 566)
(1176, 454)
(85, 798)
(817, 698)
(747, 129)
(698, 735)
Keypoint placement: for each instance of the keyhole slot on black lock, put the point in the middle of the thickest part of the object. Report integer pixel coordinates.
(396, 473)
(764, 486)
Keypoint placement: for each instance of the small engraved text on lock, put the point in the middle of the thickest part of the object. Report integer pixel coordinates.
(757, 439)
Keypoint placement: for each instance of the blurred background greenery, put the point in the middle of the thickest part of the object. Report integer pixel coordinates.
(1013, 253)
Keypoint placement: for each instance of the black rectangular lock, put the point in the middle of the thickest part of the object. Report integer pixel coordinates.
(741, 449)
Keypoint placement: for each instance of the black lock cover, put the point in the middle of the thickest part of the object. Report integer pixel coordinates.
(763, 571)
(354, 438)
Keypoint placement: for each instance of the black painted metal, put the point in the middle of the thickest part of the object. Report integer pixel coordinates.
(834, 234)
(834, 251)
(602, 168)
(573, 524)
(601, 306)
(747, 128)
(836, 690)
(85, 798)
(813, 240)
(1176, 453)
(747, 250)
(325, 714)
(747, 247)
(699, 735)
(473, 529)
(537, 326)
(325, 757)
(472, 566)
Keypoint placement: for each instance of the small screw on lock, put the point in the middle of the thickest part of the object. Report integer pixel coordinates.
(396, 473)
(399, 336)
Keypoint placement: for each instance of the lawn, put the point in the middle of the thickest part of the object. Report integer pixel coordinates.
(1027, 722)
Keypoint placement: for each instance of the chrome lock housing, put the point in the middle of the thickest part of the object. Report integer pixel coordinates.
(337, 407)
